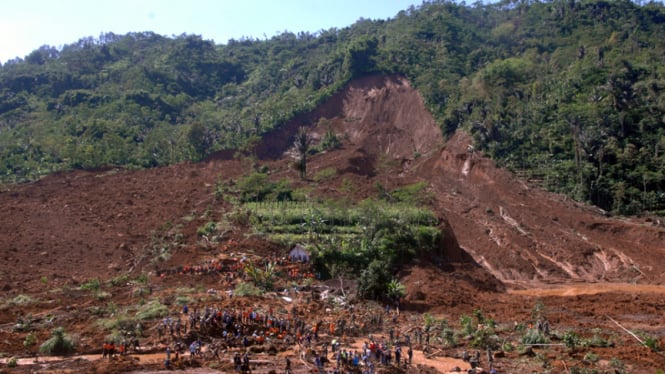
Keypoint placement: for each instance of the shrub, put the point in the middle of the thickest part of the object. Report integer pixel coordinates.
(207, 229)
(617, 365)
(120, 280)
(533, 336)
(91, 285)
(102, 295)
(325, 175)
(412, 194)
(142, 278)
(152, 310)
(591, 357)
(254, 187)
(598, 341)
(22, 300)
(330, 140)
(30, 340)
(246, 289)
(59, 343)
(12, 363)
(507, 347)
(468, 327)
(652, 343)
(182, 300)
(374, 280)
(571, 340)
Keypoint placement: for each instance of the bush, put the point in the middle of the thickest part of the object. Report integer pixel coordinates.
(652, 343)
(20, 300)
(591, 357)
(207, 229)
(12, 363)
(59, 343)
(325, 175)
(415, 194)
(374, 280)
(617, 365)
(120, 280)
(598, 341)
(246, 289)
(92, 285)
(571, 340)
(152, 310)
(30, 340)
(533, 336)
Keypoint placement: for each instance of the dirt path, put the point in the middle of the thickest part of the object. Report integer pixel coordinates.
(591, 289)
(441, 364)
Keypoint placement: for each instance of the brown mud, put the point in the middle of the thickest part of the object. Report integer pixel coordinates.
(509, 244)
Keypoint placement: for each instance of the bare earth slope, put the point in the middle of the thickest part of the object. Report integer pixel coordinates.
(522, 234)
(507, 243)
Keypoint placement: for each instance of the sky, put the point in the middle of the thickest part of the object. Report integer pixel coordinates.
(26, 25)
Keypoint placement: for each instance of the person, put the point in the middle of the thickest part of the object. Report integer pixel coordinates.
(410, 353)
(160, 331)
(398, 354)
(287, 369)
(236, 361)
(245, 363)
(111, 350)
(192, 350)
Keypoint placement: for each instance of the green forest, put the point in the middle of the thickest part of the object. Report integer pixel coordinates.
(567, 93)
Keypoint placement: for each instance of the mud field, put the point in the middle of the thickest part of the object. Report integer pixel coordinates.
(513, 251)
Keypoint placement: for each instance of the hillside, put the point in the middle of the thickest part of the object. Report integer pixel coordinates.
(567, 94)
(510, 250)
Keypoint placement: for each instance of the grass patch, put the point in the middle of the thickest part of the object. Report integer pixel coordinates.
(325, 175)
(182, 300)
(152, 310)
(18, 300)
(247, 289)
(91, 285)
(120, 280)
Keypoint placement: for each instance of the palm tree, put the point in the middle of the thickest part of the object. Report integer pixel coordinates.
(59, 343)
(301, 145)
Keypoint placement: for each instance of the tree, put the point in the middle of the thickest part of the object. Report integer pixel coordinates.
(200, 139)
(301, 146)
(59, 343)
(395, 289)
(360, 58)
(374, 280)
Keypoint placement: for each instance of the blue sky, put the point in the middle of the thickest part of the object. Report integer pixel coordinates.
(25, 25)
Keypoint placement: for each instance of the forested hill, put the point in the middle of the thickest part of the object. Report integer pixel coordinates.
(567, 93)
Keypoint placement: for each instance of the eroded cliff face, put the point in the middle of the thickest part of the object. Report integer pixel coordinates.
(521, 233)
(512, 228)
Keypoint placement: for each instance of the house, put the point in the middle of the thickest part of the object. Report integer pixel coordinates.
(298, 254)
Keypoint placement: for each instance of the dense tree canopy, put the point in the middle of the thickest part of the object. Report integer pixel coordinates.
(566, 92)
